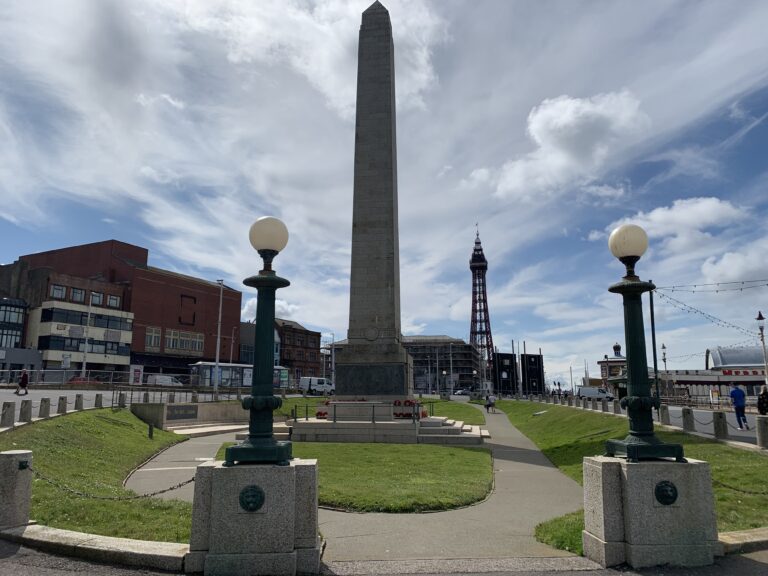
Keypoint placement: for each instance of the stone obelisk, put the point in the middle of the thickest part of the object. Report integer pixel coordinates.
(374, 363)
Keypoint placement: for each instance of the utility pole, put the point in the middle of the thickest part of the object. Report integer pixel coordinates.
(87, 324)
(217, 371)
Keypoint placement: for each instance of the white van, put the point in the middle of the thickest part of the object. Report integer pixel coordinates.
(593, 392)
(314, 385)
(163, 380)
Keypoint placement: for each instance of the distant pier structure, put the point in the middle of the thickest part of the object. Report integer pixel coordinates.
(480, 330)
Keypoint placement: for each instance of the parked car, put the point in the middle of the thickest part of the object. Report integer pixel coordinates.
(313, 385)
(461, 393)
(163, 380)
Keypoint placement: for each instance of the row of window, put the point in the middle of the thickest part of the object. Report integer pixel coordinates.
(80, 319)
(77, 345)
(10, 338)
(311, 356)
(175, 340)
(11, 315)
(59, 292)
(299, 339)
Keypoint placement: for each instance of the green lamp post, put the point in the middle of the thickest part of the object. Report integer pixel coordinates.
(628, 243)
(268, 236)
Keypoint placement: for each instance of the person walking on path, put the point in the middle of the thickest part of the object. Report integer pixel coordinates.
(492, 403)
(739, 401)
(762, 400)
(22, 384)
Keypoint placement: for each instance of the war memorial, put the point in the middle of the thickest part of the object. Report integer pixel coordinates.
(256, 512)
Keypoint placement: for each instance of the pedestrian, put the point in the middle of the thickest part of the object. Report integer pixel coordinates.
(492, 403)
(739, 401)
(487, 403)
(22, 384)
(762, 400)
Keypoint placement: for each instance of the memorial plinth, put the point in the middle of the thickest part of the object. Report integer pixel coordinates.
(648, 513)
(255, 519)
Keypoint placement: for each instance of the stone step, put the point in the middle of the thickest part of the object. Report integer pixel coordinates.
(451, 439)
(432, 421)
(482, 431)
(442, 431)
(466, 428)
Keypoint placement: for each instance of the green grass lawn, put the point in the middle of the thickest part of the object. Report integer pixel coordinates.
(397, 477)
(567, 435)
(457, 411)
(92, 452)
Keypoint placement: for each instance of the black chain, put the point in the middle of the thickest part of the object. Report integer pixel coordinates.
(95, 497)
(735, 489)
(702, 423)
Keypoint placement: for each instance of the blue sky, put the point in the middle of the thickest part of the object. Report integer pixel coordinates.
(174, 124)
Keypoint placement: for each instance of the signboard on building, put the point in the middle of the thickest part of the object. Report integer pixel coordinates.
(137, 374)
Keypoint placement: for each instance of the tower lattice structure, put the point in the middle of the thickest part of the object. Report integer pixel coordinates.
(480, 330)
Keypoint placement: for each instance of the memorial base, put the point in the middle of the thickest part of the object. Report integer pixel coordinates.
(648, 513)
(255, 519)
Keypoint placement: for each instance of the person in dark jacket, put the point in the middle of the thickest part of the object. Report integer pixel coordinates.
(739, 401)
(762, 401)
(23, 383)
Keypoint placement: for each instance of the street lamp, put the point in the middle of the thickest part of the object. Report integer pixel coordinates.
(268, 236)
(664, 359)
(628, 243)
(761, 326)
(217, 371)
(445, 381)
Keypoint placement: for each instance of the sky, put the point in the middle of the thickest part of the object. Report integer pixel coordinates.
(174, 124)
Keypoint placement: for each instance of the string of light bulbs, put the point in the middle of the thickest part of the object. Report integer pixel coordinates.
(714, 319)
(735, 286)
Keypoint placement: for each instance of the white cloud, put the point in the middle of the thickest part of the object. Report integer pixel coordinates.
(746, 263)
(575, 138)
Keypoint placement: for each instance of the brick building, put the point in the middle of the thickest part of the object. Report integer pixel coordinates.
(171, 318)
(299, 349)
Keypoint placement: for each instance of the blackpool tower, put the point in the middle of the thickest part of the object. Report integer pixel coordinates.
(480, 330)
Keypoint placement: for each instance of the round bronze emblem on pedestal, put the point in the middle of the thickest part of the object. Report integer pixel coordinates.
(251, 498)
(371, 333)
(666, 492)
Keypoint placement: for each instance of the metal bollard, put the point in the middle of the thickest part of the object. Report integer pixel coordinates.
(146, 398)
(8, 415)
(45, 408)
(62, 407)
(151, 431)
(720, 424)
(25, 413)
(761, 424)
(688, 423)
(121, 400)
(664, 414)
(99, 401)
(78, 401)
(604, 405)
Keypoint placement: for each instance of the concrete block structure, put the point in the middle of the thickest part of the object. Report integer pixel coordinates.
(648, 513)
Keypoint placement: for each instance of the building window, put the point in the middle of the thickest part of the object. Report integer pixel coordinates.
(300, 355)
(97, 298)
(113, 301)
(171, 340)
(299, 340)
(58, 292)
(153, 338)
(78, 295)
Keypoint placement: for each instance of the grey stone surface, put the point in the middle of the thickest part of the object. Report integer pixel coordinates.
(374, 336)
(305, 531)
(593, 404)
(145, 398)
(98, 401)
(121, 400)
(8, 415)
(171, 397)
(45, 408)
(15, 488)
(62, 406)
(602, 552)
(604, 404)
(617, 407)
(688, 422)
(761, 424)
(720, 424)
(78, 402)
(603, 512)
(274, 564)
(664, 414)
(25, 413)
(570, 400)
(201, 511)
(680, 533)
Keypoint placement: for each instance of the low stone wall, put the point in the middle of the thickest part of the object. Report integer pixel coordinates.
(170, 415)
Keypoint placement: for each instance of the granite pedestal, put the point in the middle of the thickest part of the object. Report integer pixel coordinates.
(257, 519)
(648, 513)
